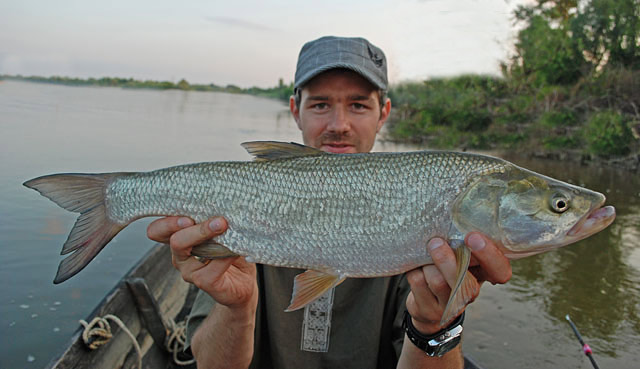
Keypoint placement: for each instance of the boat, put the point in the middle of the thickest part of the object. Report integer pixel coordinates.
(148, 300)
(149, 306)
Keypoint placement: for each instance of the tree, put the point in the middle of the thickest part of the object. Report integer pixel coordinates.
(608, 31)
(565, 40)
(183, 85)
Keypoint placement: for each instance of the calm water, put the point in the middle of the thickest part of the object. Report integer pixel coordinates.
(48, 129)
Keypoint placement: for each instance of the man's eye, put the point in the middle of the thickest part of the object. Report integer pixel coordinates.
(359, 106)
(320, 106)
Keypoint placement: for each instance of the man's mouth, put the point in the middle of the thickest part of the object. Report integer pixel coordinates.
(338, 147)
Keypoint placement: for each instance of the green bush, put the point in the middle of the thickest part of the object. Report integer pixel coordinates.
(607, 133)
(474, 120)
(453, 105)
(557, 118)
(559, 142)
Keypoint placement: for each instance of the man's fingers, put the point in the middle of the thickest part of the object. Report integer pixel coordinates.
(438, 284)
(428, 297)
(444, 259)
(160, 230)
(201, 274)
(183, 241)
(207, 275)
(494, 266)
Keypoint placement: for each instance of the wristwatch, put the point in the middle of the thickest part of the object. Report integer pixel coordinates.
(436, 344)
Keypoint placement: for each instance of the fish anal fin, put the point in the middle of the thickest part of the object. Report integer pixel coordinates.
(272, 150)
(212, 250)
(309, 286)
(465, 288)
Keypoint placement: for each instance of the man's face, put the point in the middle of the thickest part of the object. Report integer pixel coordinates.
(340, 112)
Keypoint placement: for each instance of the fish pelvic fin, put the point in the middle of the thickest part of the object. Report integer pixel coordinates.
(465, 288)
(84, 194)
(309, 286)
(272, 150)
(212, 250)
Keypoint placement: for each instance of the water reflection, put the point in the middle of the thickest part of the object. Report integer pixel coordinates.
(595, 280)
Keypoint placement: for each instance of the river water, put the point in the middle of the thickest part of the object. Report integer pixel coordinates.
(49, 129)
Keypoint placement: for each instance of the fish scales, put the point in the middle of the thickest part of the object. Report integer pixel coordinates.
(348, 215)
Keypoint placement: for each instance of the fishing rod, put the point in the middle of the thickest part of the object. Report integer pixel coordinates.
(585, 348)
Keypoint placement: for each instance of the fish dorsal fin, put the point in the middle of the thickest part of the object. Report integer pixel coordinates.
(272, 150)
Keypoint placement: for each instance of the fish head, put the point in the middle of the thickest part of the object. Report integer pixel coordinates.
(527, 213)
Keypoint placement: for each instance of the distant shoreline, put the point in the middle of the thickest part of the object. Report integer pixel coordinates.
(281, 91)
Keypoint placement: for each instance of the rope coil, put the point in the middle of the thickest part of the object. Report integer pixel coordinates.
(176, 340)
(98, 332)
(94, 337)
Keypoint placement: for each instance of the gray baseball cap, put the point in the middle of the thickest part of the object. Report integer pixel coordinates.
(330, 52)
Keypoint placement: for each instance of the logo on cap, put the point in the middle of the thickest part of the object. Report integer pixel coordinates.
(377, 60)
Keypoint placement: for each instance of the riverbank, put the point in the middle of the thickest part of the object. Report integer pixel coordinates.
(595, 120)
(568, 89)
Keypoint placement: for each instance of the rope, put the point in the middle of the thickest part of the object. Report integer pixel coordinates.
(98, 332)
(94, 337)
(176, 340)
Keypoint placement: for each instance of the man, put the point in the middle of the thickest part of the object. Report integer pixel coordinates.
(340, 106)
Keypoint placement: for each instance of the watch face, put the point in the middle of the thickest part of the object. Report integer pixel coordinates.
(446, 346)
(446, 342)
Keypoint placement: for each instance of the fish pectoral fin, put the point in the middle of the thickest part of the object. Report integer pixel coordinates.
(272, 150)
(309, 286)
(465, 288)
(212, 250)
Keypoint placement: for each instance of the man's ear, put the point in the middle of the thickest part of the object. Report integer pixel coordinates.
(294, 110)
(384, 114)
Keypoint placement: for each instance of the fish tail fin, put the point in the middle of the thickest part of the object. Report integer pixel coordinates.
(464, 289)
(84, 194)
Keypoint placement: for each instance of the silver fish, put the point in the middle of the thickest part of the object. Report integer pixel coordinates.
(336, 215)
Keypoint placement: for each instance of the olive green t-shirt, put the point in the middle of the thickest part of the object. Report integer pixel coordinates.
(366, 323)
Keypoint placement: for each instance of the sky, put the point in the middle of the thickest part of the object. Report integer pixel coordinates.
(246, 43)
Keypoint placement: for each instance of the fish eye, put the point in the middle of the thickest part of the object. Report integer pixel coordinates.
(559, 203)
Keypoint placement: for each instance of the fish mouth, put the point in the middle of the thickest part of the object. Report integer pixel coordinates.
(597, 220)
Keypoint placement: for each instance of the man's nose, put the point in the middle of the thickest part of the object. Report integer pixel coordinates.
(339, 121)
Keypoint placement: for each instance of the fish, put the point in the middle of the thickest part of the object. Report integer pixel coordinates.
(336, 216)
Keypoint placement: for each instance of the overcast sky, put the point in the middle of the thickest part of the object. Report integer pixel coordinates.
(247, 43)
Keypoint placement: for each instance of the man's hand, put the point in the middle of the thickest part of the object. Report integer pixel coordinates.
(431, 284)
(225, 337)
(230, 281)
